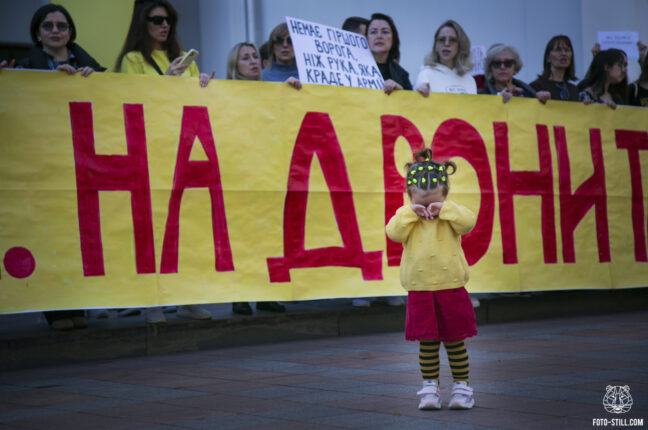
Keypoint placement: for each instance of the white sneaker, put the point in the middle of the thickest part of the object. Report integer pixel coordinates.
(462, 396)
(361, 303)
(430, 398)
(194, 312)
(395, 301)
(154, 316)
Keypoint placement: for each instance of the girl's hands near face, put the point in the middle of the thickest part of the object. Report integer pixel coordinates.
(434, 209)
(420, 210)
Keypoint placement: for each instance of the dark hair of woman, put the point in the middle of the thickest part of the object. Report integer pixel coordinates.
(553, 43)
(394, 52)
(39, 17)
(596, 76)
(138, 38)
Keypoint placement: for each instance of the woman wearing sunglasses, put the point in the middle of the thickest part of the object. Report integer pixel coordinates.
(152, 47)
(502, 62)
(558, 70)
(283, 67)
(53, 32)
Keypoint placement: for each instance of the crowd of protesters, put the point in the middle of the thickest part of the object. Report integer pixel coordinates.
(151, 47)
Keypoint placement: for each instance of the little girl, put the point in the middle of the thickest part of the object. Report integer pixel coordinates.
(434, 271)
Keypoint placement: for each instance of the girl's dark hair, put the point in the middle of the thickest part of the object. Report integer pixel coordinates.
(426, 175)
(138, 38)
(39, 17)
(553, 43)
(596, 76)
(394, 52)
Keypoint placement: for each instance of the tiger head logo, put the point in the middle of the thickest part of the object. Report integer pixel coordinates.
(617, 399)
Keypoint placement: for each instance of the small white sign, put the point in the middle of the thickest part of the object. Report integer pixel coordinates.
(478, 54)
(331, 56)
(623, 40)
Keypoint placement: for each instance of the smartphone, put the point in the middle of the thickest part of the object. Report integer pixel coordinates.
(189, 57)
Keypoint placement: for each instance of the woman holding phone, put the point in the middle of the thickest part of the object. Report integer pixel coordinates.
(152, 47)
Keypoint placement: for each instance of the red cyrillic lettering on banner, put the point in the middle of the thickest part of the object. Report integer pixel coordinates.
(393, 127)
(457, 138)
(574, 206)
(317, 137)
(525, 183)
(196, 174)
(96, 173)
(635, 141)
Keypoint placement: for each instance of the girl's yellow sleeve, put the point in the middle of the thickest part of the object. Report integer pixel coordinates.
(461, 219)
(401, 224)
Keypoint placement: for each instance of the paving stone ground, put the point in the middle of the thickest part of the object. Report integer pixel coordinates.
(546, 374)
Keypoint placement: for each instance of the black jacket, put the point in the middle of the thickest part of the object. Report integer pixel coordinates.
(527, 91)
(398, 75)
(37, 59)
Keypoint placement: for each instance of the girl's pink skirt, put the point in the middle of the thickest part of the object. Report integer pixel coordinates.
(445, 316)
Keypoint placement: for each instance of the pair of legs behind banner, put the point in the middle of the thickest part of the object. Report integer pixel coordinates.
(432, 318)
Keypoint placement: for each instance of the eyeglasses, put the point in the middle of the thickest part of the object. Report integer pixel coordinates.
(448, 40)
(506, 63)
(281, 40)
(61, 26)
(158, 20)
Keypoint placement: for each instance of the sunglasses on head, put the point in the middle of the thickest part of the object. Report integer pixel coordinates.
(49, 26)
(506, 63)
(158, 19)
(280, 40)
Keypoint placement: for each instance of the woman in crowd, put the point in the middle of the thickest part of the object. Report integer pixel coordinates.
(53, 32)
(446, 68)
(502, 62)
(606, 80)
(282, 57)
(558, 70)
(385, 47)
(152, 48)
(638, 90)
(244, 63)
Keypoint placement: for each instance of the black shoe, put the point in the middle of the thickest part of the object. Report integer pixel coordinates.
(242, 308)
(270, 306)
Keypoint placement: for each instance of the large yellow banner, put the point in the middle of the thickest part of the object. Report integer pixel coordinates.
(121, 190)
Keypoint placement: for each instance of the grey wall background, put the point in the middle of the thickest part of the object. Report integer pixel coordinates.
(214, 26)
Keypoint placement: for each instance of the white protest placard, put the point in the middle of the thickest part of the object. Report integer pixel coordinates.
(478, 54)
(331, 56)
(623, 40)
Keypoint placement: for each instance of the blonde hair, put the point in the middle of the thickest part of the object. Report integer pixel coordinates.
(463, 60)
(279, 31)
(493, 52)
(232, 61)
